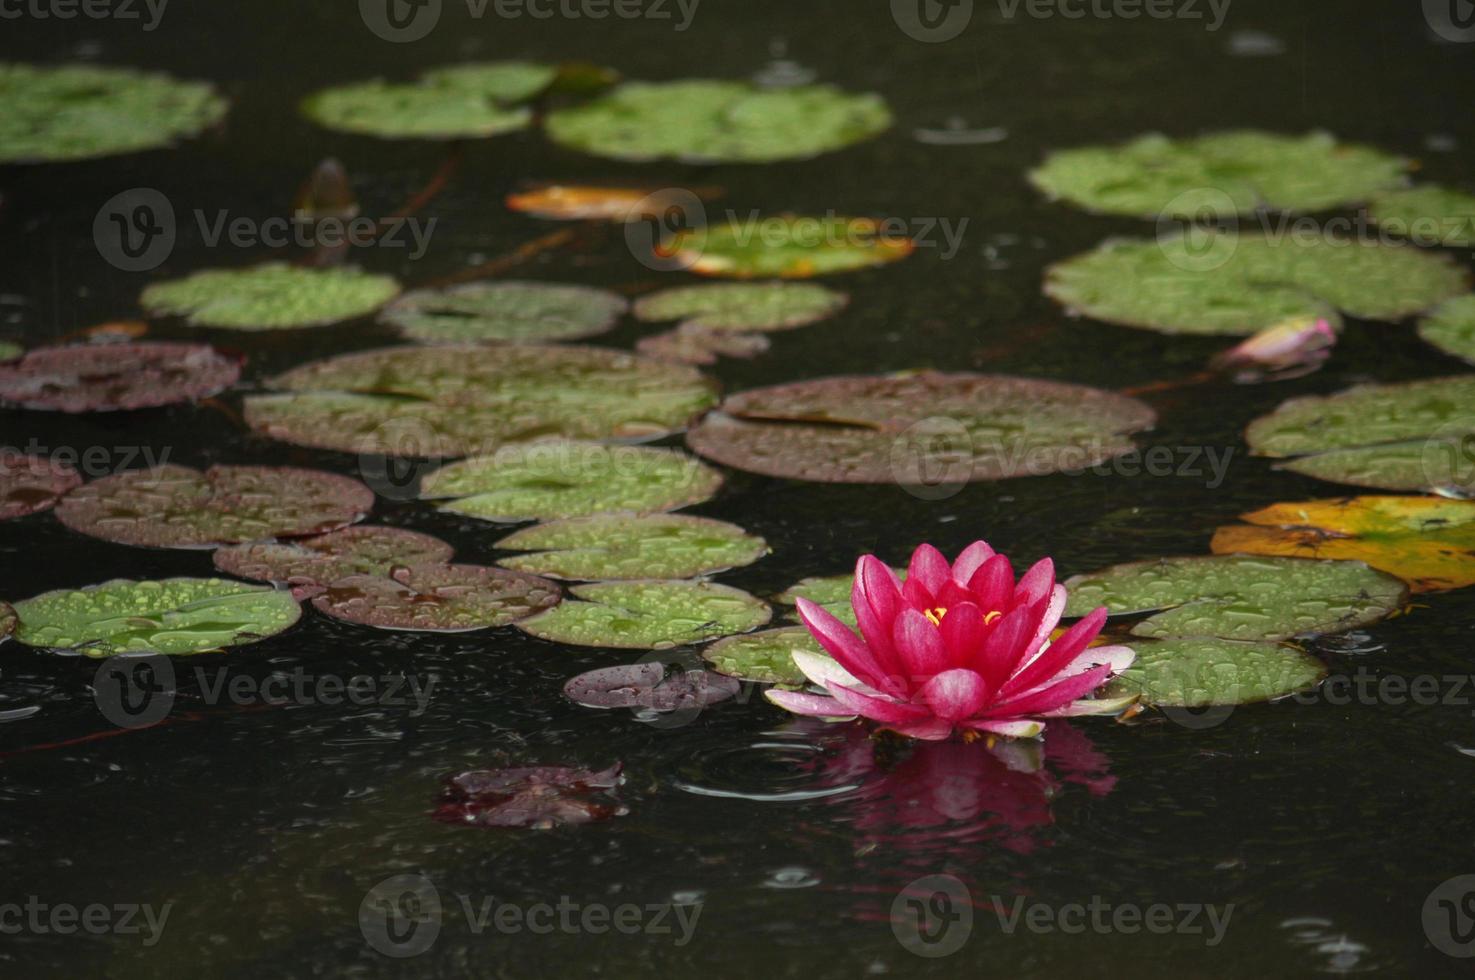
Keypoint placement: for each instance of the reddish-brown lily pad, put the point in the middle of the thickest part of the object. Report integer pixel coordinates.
(646, 685)
(919, 429)
(179, 507)
(540, 797)
(7, 620)
(115, 377)
(438, 598)
(29, 484)
(311, 564)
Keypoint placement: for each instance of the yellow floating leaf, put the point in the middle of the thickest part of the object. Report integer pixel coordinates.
(1428, 542)
(575, 202)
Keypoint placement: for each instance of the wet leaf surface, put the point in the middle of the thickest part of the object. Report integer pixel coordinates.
(9, 351)
(1428, 542)
(619, 546)
(270, 296)
(439, 598)
(648, 615)
(461, 101)
(1451, 328)
(30, 484)
(310, 564)
(765, 656)
(925, 429)
(1427, 215)
(71, 112)
(692, 343)
(168, 616)
(115, 377)
(743, 306)
(561, 479)
(1239, 597)
(787, 246)
(179, 507)
(1221, 174)
(1196, 672)
(7, 621)
(830, 591)
(1239, 283)
(702, 121)
(538, 797)
(645, 685)
(453, 400)
(1410, 436)
(504, 312)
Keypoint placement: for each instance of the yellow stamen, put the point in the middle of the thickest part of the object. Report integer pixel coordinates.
(992, 618)
(936, 615)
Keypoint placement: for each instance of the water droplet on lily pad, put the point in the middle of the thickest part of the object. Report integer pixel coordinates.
(648, 615)
(924, 429)
(1239, 597)
(310, 564)
(270, 296)
(701, 121)
(115, 377)
(1198, 672)
(72, 112)
(179, 507)
(437, 598)
(765, 656)
(620, 546)
(167, 616)
(504, 312)
(30, 483)
(557, 478)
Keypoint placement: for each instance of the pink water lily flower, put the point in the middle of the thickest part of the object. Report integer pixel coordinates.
(957, 647)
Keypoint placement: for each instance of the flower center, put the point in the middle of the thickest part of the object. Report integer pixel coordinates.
(936, 615)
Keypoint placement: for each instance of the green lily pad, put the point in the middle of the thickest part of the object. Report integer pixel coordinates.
(459, 400)
(1451, 328)
(649, 615)
(271, 296)
(926, 429)
(72, 112)
(692, 343)
(30, 483)
(619, 546)
(1226, 283)
(706, 121)
(504, 312)
(1239, 597)
(559, 479)
(169, 616)
(1409, 436)
(1427, 215)
(319, 561)
(462, 101)
(830, 591)
(1225, 173)
(179, 507)
(437, 598)
(743, 305)
(787, 246)
(765, 656)
(9, 351)
(1199, 671)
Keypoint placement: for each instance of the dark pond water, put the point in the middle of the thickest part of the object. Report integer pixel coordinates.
(1319, 828)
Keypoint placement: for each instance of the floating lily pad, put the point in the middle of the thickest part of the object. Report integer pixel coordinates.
(693, 343)
(461, 101)
(271, 296)
(179, 507)
(1451, 328)
(1223, 283)
(560, 479)
(743, 305)
(169, 616)
(71, 112)
(921, 429)
(787, 246)
(765, 656)
(1428, 542)
(504, 312)
(439, 598)
(1239, 597)
(619, 546)
(830, 591)
(648, 615)
(457, 400)
(30, 484)
(1199, 671)
(114, 377)
(1410, 436)
(7, 621)
(310, 564)
(9, 351)
(646, 686)
(575, 202)
(1427, 215)
(1225, 173)
(539, 797)
(705, 121)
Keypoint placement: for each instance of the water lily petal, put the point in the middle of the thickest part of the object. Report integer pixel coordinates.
(929, 568)
(1052, 696)
(1009, 729)
(919, 644)
(955, 694)
(1054, 657)
(969, 560)
(880, 708)
(917, 596)
(1054, 608)
(963, 633)
(842, 644)
(808, 704)
(996, 660)
(1036, 583)
(876, 631)
(1091, 706)
(992, 584)
(930, 729)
